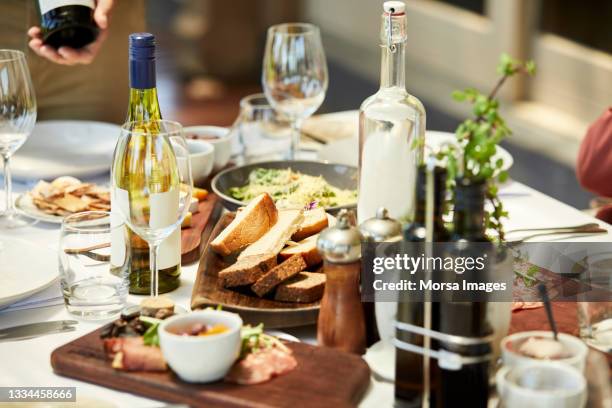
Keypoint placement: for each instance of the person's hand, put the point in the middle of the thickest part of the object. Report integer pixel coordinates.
(68, 55)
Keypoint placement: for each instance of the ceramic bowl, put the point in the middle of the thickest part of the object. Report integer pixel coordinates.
(217, 136)
(542, 384)
(202, 155)
(574, 346)
(201, 359)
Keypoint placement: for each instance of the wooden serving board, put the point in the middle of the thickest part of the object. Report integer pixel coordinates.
(323, 378)
(254, 310)
(191, 238)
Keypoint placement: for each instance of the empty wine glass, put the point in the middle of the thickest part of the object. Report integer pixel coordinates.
(152, 183)
(294, 73)
(17, 118)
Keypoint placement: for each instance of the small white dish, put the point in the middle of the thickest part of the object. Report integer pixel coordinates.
(217, 136)
(381, 359)
(201, 359)
(541, 384)
(575, 347)
(202, 156)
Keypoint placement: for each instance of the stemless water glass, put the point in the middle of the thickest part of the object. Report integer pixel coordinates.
(261, 131)
(151, 183)
(17, 118)
(92, 287)
(294, 73)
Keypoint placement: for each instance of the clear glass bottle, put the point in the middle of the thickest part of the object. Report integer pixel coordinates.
(389, 123)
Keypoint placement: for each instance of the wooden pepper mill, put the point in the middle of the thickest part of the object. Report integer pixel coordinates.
(341, 321)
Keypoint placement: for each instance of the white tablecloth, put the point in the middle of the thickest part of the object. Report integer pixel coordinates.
(26, 363)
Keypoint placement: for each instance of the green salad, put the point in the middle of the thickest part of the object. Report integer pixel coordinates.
(291, 189)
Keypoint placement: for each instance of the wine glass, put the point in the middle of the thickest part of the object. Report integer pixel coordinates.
(294, 73)
(17, 118)
(152, 183)
(261, 131)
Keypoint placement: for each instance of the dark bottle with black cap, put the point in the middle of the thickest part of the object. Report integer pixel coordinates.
(469, 384)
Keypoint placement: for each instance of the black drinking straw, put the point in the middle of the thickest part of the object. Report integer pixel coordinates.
(548, 307)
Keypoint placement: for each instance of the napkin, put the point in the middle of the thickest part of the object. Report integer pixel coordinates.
(51, 296)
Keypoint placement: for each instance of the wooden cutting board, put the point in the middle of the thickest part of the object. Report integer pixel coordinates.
(253, 309)
(323, 378)
(191, 238)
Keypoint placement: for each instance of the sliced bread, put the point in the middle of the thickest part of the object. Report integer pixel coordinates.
(250, 224)
(307, 248)
(305, 287)
(278, 274)
(247, 270)
(274, 240)
(314, 222)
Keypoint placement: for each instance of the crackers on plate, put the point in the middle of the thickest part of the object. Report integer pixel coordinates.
(67, 195)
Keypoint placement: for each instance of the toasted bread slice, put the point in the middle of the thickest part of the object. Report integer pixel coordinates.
(278, 274)
(314, 222)
(247, 270)
(250, 224)
(307, 248)
(274, 240)
(305, 287)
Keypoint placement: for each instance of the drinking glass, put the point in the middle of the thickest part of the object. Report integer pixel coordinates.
(294, 73)
(92, 287)
(151, 183)
(17, 118)
(261, 131)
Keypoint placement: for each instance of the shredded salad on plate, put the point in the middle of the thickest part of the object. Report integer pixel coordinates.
(290, 189)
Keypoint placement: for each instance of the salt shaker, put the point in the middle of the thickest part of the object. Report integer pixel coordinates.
(341, 322)
(379, 315)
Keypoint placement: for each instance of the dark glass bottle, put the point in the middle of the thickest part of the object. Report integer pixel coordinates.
(470, 384)
(67, 22)
(409, 366)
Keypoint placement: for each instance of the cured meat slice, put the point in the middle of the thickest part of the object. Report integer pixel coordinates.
(261, 366)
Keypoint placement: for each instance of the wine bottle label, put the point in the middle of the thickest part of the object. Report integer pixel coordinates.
(163, 210)
(48, 5)
(118, 238)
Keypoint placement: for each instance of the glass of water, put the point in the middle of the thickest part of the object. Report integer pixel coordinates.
(94, 285)
(261, 131)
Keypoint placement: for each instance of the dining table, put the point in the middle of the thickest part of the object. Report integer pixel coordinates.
(27, 362)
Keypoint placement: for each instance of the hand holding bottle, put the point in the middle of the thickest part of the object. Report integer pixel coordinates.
(65, 55)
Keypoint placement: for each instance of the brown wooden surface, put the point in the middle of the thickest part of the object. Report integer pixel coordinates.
(323, 378)
(191, 238)
(252, 309)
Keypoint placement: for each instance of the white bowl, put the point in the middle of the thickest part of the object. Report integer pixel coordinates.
(202, 155)
(201, 359)
(576, 348)
(219, 137)
(542, 384)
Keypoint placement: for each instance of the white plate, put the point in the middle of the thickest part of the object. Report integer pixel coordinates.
(346, 151)
(25, 204)
(25, 268)
(66, 148)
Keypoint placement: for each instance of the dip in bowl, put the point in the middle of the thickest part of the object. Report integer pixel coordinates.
(523, 348)
(194, 355)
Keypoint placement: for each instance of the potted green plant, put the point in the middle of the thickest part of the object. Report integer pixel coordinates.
(473, 156)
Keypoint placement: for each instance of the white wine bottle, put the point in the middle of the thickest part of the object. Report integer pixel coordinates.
(67, 22)
(143, 109)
